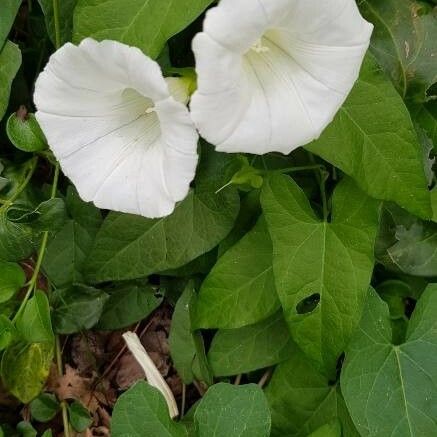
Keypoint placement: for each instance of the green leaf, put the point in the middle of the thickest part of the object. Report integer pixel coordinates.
(126, 305)
(10, 61)
(66, 8)
(242, 350)
(406, 243)
(404, 43)
(26, 429)
(17, 241)
(332, 429)
(186, 347)
(24, 132)
(12, 278)
(7, 18)
(302, 400)
(49, 215)
(7, 332)
(67, 251)
(79, 416)
(34, 324)
(392, 389)
(44, 408)
(400, 298)
(322, 270)
(233, 411)
(373, 140)
(77, 308)
(426, 116)
(146, 24)
(130, 247)
(141, 411)
(25, 368)
(240, 289)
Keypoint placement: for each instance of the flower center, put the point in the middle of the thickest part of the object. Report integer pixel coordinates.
(258, 47)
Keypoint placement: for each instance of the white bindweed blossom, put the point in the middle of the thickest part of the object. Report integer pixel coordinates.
(109, 117)
(153, 375)
(273, 73)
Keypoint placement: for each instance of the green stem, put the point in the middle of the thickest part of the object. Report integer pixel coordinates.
(320, 174)
(296, 169)
(55, 182)
(323, 194)
(33, 280)
(8, 202)
(60, 369)
(41, 252)
(56, 23)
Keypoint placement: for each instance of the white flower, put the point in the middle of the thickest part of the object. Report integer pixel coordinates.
(153, 375)
(273, 73)
(119, 135)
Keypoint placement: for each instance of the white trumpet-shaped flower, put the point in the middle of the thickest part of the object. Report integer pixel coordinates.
(273, 73)
(124, 141)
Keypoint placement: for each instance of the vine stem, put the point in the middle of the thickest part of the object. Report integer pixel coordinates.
(321, 173)
(8, 202)
(60, 373)
(296, 169)
(56, 24)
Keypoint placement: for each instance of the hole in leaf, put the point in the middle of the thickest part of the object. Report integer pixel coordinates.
(308, 304)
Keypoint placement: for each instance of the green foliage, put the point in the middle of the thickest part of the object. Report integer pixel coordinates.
(322, 269)
(406, 243)
(426, 116)
(235, 351)
(24, 132)
(332, 429)
(10, 61)
(233, 411)
(373, 140)
(302, 400)
(7, 332)
(12, 278)
(128, 304)
(404, 43)
(392, 387)
(146, 24)
(265, 277)
(80, 418)
(240, 289)
(7, 17)
(77, 308)
(44, 408)
(129, 247)
(66, 8)
(67, 250)
(142, 411)
(34, 324)
(186, 347)
(25, 368)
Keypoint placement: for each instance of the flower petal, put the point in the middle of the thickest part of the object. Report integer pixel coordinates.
(118, 134)
(272, 75)
(153, 375)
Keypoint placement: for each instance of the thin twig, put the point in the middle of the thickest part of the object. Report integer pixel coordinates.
(184, 394)
(265, 377)
(120, 353)
(238, 379)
